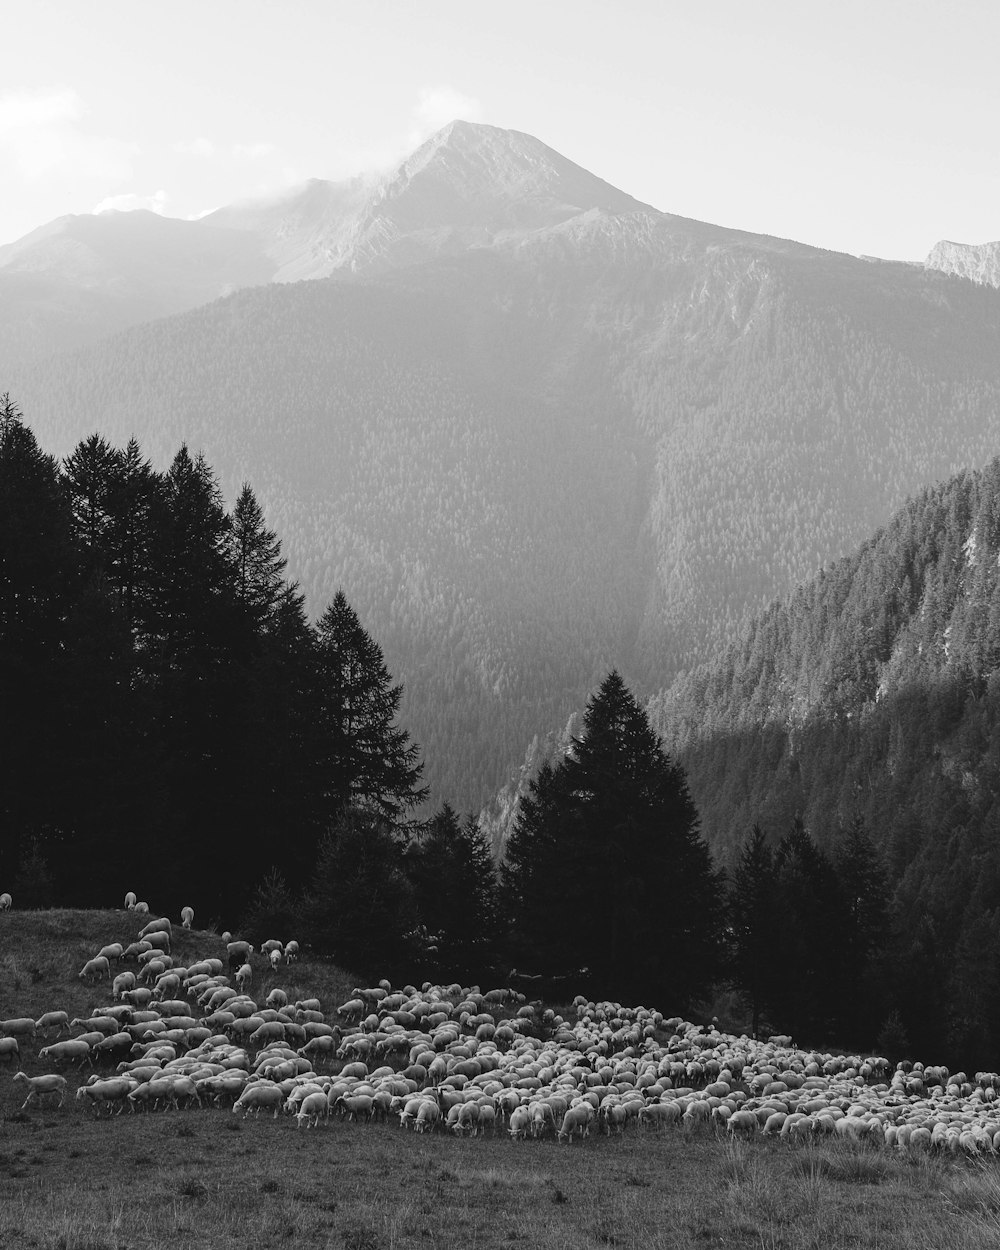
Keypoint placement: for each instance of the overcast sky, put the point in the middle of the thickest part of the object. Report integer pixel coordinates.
(867, 127)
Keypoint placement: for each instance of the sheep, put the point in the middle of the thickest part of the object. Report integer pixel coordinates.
(272, 944)
(256, 1096)
(275, 958)
(239, 953)
(72, 1050)
(130, 901)
(576, 1119)
(291, 952)
(5, 902)
(141, 909)
(58, 1020)
(96, 969)
(122, 982)
(244, 976)
(159, 925)
(106, 1093)
(41, 1086)
(20, 1027)
(311, 1109)
(187, 917)
(113, 951)
(9, 1049)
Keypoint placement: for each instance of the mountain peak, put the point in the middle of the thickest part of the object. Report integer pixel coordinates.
(979, 262)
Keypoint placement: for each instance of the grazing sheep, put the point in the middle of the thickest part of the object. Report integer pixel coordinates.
(244, 976)
(275, 958)
(41, 1086)
(9, 1049)
(272, 944)
(96, 969)
(187, 917)
(291, 951)
(122, 982)
(5, 902)
(238, 953)
(254, 1097)
(141, 909)
(311, 1109)
(113, 951)
(130, 901)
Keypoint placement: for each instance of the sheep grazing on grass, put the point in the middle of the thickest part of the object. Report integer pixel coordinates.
(41, 1086)
(107, 1093)
(9, 1049)
(187, 917)
(291, 951)
(244, 976)
(5, 902)
(254, 1097)
(96, 969)
(130, 901)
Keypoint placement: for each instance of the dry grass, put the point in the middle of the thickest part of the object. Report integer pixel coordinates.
(209, 1180)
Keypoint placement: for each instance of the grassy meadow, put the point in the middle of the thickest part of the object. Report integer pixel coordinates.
(209, 1179)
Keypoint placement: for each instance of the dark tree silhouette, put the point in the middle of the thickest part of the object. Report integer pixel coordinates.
(605, 866)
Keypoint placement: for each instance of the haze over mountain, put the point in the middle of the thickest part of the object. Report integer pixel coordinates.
(537, 429)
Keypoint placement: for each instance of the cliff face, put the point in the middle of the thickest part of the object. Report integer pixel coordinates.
(979, 262)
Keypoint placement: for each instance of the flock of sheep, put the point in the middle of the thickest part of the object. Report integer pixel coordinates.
(447, 1058)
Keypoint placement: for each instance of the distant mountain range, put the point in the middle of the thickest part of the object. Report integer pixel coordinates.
(533, 427)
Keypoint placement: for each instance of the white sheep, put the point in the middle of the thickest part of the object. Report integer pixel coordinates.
(73, 1050)
(113, 950)
(41, 1086)
(105, 1093)
(130, 901)
(254, 1097)
(244, 976)
(275, 958)
(22, 1026)
(122, 982)
(141, 909)
(9, 1049)
(58, 1020)
(187, 917)
(96, 969)
(5, 902)
(311, 1109)
(291, 951)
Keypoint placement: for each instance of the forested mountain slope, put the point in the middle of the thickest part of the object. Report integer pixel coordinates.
(600, 442)
(873, 691)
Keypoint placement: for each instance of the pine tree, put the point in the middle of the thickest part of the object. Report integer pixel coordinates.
(606, 866)
(454, 878)
(89, 475)
(756, 922)
(255, 554)
(369, 761)
(129, 539)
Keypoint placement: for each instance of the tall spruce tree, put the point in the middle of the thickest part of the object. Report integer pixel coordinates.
(255, 554)
(369, 761)
(606, 867)
(755, 923)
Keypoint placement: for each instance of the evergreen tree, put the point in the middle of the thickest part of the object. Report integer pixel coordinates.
(89, 474)
(369, 761)
(454, 878)
(360, 904)
(756, 923)
(255, 554)
(132, 505)
(610, 835)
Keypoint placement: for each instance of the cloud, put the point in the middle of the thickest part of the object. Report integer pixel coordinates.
(40, 133)
(155, 203)
(195, 147)
(436, 107)
(252, 151)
